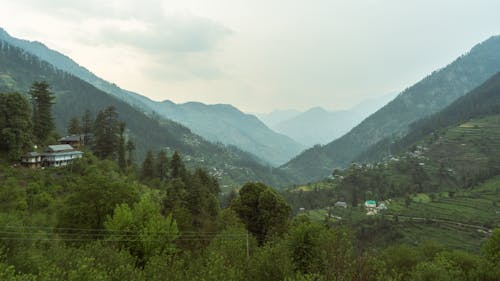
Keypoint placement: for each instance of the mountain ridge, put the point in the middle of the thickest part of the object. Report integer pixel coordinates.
(253, 136)
(429, 95)
(19, 68)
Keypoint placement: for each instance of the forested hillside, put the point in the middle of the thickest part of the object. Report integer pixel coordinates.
(482, 101)
(91, 222)
(19, 69)
(426, 97)
(217, 123)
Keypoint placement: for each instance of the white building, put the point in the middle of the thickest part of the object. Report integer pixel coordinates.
(60, 155)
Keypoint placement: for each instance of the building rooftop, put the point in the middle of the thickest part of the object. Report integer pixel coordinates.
(72, 138)
(59, 148)
(32, 154)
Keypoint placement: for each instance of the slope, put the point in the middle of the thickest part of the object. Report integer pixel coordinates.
(18, 69)
(219, 123)
(426, 97)
(482, 101)
(226, 124)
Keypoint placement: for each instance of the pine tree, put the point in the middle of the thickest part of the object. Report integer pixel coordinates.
(87, 126)
(162, 165)
(177, 168)
(147, 169)
(106, 133)
(122, 163)
(15, 125)
(42, 99)
(74, 126)
(130, 150)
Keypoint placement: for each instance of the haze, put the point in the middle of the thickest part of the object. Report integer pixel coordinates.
(257, 55)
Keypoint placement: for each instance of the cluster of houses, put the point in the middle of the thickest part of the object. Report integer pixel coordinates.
(56, 155)
(372, 208)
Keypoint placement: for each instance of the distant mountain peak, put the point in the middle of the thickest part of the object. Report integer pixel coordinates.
(316, 109)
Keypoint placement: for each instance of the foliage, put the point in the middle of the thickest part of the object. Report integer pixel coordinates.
(42, 99)
(264, 212)
(15, 125)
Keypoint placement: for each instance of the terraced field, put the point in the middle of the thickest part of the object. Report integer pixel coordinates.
(469, 147)
(477, 206)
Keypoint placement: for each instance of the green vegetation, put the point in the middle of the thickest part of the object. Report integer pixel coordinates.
(15, 126)
(43, 123)
(94, 221)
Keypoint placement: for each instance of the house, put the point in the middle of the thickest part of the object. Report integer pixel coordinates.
(382, 206)
(370, 204)
(60, 155)
(340, 204)
(32, 160)
(76, 141)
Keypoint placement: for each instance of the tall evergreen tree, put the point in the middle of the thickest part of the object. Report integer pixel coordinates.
(74, 126)
(87, 125)
(42, 99)
(130, 151)
(177, 168)
(15, 125)
(162, 165)
(147, 169)
(106, 133)
(122, 162)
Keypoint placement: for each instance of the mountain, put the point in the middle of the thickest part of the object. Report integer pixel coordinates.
(275, 117)
(218, 123)
(482, 102)
(228, 125)
(19, 68)
(321, 126)
(426, 97)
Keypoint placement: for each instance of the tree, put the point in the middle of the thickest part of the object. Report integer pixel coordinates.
(177, 168)
(42, 99)
(491, 247)
(106, 133)
(130, 151)
(122, 163)
(154, 233)
(74, 126)
(87, 125)
(15, 125)
(94, 196)
(147, 169)
(262, 209)
(162, 165)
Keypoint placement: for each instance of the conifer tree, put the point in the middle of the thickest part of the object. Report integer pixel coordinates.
(162, 165)
(15, 125)
(74, 126)
(122, 163)
(87, 125)
(147, 169)
(42, 99)
(177, 168)
(106, 133)
(130, 151)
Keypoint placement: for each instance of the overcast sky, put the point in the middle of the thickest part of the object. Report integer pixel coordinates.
(258, 55)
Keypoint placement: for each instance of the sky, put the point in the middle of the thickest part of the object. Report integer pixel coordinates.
(258, 55)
